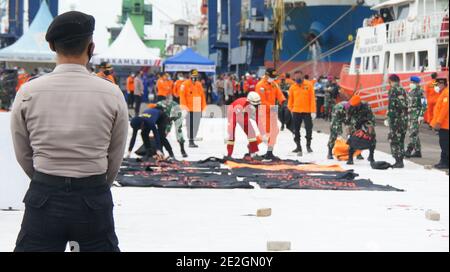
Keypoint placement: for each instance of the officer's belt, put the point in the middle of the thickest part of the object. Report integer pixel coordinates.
(88, 182)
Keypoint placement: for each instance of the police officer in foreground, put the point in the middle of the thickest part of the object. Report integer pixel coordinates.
(71, 150)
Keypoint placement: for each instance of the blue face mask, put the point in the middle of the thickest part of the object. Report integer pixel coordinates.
(299, 81)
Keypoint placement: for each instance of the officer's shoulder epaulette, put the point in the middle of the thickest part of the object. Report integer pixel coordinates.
(33, 78)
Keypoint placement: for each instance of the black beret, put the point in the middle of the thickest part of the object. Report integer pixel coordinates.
(394, 78)
(70, 26)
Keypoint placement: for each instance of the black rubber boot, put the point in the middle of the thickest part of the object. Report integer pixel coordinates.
(408, 153)
(308, 147)
(192, 144)
(350, 157)
(183, 151)
(298, 149)
(371, 156)
(416, 154)
(330, 153)
(398, 164)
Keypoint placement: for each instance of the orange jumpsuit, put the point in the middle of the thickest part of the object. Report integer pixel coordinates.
(176, 88)
(271, 95)
(441, 111)
(432, 97)
(110, 78)
(165, 87)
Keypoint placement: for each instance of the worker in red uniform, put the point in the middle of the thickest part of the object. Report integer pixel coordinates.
(432, 93)
(271, 96)
(240, 112)
(249, 84)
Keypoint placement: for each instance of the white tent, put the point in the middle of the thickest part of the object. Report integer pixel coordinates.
(32, 46)
(129, 50)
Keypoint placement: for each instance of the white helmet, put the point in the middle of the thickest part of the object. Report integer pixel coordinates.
(254, 98)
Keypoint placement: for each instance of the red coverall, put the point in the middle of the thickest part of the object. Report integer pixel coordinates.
(239, 113)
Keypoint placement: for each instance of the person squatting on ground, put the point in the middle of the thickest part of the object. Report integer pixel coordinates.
(193, 100)
(416, 110)
(440, 122)
(397, 120)
(156, 121)
(175, 114)
(360, 116)
(73, 149)
(338, 120)
(302, 104)
(241, 112)
(271, 97)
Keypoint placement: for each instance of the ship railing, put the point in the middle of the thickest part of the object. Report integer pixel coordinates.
(424, 27)
(377, 96)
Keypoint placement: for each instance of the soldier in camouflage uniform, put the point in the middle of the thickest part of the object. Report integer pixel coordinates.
(360, 116)
(173, 110)
(338, 120)
(331, 95)
(417, 108)
(397, 120)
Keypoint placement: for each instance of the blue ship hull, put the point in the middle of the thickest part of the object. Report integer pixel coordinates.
(300, 22)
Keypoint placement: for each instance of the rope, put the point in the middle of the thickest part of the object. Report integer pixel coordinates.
(317, 37)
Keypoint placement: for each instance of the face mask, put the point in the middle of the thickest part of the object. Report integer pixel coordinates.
(107, 72)
(270, 80)
(299, 81)
(181, 78)
(194, 79)
(437, 89)
(412, 86)
(90, 52)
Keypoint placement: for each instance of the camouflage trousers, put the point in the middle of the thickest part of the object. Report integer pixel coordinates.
(414, 130)
(397, 136)
(335, 131)
(178, 129)
(329, 105)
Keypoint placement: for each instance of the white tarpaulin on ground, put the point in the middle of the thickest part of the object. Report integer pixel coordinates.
(13, 181)
(129, 50)
(32, 46)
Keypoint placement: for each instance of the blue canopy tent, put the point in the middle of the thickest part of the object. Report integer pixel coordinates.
(187, 60)
(32, 46)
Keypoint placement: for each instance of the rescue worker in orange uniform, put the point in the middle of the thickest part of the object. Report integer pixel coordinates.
(22, 78)
(193, 100)
(130, 90)
(106, 72)
(271, 96)
(432, 94)
(165, 87)
(249, 84)
(440, 122)
(177, 86)
(302, 104)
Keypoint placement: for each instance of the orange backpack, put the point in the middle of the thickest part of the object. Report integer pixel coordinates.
(341, 150)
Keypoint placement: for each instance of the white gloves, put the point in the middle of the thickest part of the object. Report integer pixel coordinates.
(386, 123)
(421, 119)
(314, 116)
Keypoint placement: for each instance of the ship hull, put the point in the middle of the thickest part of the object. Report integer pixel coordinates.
(303, 21)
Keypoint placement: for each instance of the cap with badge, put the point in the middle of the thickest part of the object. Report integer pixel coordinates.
(271, 73)
(194, 73)
(70, 26)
